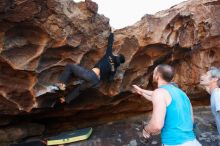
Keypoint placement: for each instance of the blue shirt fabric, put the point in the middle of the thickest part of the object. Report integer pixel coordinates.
(178, 125)
(215, 106)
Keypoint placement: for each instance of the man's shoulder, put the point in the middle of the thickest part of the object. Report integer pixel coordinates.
(161, 95)
(160, 90)
(216, 93)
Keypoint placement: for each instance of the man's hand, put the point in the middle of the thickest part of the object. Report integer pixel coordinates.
(146, 134)
(112, 29)
(138, 89)
(62, 100)
(146, 93)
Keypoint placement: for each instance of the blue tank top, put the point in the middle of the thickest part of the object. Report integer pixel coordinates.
(178, 125)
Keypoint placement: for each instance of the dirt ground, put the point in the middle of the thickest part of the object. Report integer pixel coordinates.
(128, 132)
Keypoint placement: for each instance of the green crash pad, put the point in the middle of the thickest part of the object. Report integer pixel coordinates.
(70, 136)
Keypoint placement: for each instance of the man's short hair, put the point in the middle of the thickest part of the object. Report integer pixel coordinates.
(215, 73)
(122, 58)
(166, 72)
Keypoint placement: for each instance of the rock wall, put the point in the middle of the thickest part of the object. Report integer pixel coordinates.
(39, 37)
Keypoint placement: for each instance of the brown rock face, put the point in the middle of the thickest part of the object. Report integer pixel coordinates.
(12, 133)
(184, 36)
(39, 37)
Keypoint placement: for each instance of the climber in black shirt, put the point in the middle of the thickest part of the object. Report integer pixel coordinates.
(104, 70)
(109, 62)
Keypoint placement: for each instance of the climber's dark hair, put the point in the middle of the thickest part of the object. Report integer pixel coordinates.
(122, 58)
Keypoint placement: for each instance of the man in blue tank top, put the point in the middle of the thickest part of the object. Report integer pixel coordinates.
(172, 114)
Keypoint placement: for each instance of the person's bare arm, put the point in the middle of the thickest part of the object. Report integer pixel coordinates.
(146, 93)
(159, 111)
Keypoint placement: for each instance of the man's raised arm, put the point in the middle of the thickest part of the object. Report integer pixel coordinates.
(110, 43)
(146, 93)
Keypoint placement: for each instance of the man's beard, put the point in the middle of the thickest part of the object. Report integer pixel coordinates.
(154, 82)
(207, 89)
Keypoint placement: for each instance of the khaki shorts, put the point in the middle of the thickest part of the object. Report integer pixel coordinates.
(188, 143)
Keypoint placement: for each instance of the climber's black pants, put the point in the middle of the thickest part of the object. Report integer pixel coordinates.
(89, 77)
